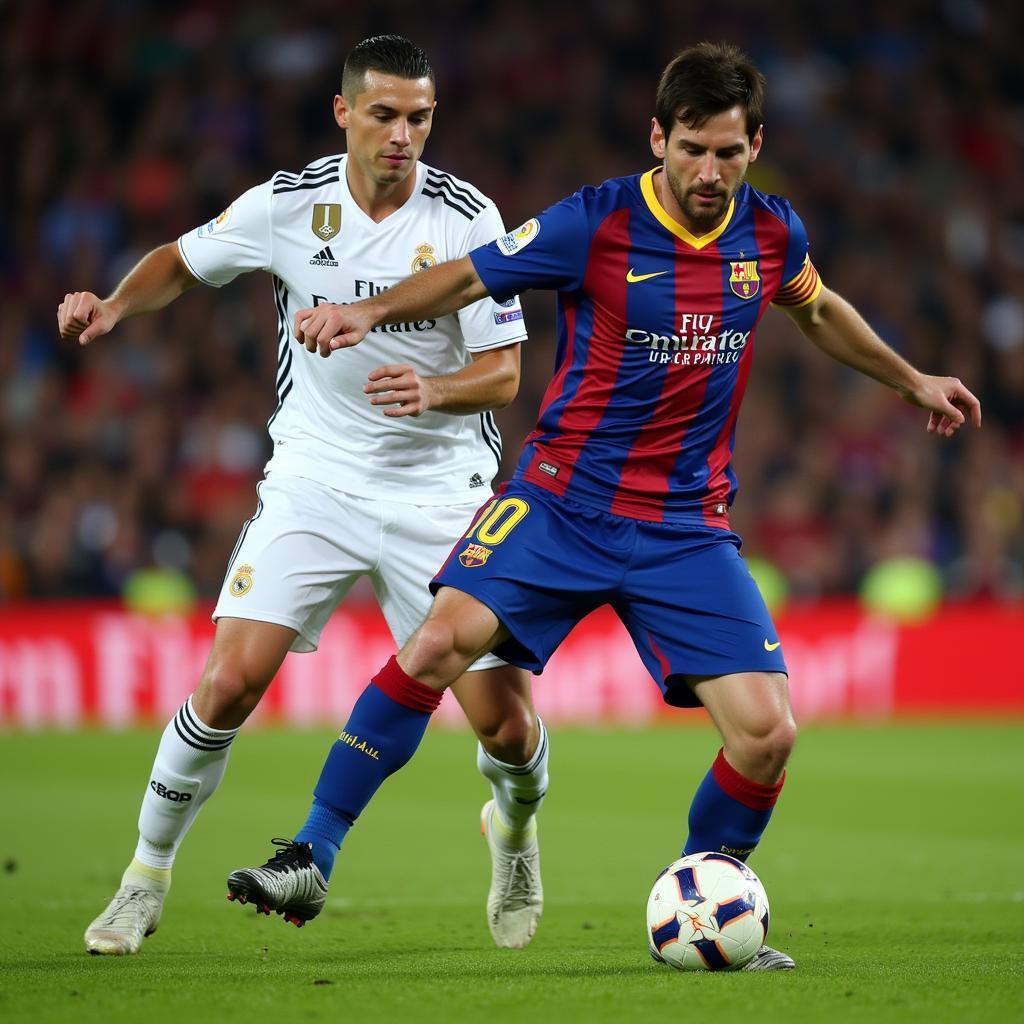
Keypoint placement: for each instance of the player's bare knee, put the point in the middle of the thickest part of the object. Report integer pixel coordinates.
(781, 742)
(513, 739)
(429, 653)
(765, 750)
(224, 697)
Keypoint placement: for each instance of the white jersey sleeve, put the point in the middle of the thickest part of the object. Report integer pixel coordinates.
(233, 243)
(488, 324)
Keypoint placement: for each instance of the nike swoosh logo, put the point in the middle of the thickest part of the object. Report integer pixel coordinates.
(633, 278)
(771, 647)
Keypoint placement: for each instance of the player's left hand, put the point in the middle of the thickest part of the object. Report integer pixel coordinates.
(400, 389)
(948, 401)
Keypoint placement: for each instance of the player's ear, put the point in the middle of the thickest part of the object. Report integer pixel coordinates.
(755, 142)
(341, 111)
(657, 139)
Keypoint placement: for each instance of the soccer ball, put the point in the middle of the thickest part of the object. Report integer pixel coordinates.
(707, 912)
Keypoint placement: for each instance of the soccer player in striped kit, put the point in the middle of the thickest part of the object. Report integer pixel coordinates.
(379, 464)
(621, 495)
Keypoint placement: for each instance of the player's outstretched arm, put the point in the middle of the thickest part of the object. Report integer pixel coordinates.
(432, 293)
(490, 381)
(841, 332)
(154, 282)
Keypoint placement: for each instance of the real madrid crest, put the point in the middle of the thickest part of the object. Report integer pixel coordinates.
(424, 258)
(743, 279)
(241, 582)
(326, 220)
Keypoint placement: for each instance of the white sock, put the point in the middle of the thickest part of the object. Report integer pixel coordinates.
(190, 762)
(518, 789)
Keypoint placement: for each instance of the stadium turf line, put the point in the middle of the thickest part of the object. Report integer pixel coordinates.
(893, 869)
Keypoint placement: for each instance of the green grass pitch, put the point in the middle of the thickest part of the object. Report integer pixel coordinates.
(895, 869)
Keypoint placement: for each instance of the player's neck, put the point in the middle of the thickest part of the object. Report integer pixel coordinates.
(378, 201)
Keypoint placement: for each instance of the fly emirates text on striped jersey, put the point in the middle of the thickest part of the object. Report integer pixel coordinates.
(698, 343)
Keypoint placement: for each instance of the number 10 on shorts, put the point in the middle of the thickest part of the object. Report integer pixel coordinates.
(498, 520)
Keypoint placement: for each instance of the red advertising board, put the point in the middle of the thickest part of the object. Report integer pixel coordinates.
(69, 664)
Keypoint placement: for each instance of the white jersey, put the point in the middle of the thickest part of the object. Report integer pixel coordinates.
(308, 232)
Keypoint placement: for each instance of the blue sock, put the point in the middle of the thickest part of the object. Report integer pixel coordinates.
(382, 733)
(324, 830)
(729, 812)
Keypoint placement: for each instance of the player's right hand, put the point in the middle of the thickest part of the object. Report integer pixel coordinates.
(84, 316)
(330, 326)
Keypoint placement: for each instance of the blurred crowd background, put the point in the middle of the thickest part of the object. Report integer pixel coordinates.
(896, 128)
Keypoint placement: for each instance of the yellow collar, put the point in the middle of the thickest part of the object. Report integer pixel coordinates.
(661, 214)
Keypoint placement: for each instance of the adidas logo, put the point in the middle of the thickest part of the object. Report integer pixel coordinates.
(476, 480)
(324, 258)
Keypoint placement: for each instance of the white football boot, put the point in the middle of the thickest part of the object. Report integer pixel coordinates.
(516, 899)
(131, 915)
(768, 959)
(289, 883)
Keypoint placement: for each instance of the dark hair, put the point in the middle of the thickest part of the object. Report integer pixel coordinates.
(705, 80)
(391, 55)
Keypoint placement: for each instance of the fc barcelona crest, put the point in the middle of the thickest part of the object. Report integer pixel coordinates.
(743, 280)
(474, 556)
(326, 220)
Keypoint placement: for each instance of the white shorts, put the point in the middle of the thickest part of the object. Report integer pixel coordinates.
(307, 544)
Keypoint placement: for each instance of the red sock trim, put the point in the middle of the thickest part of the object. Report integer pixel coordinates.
(755, 795)
(404, 690)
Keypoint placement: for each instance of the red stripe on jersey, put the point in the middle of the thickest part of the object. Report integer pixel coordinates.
(551, 395)
(644, 481)
(605, 285)
(718, 483)
(765, 227)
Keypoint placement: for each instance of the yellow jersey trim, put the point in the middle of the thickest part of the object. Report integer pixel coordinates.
(677, 229)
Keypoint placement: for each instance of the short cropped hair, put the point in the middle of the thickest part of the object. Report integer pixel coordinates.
(390, 55)
(705, 80)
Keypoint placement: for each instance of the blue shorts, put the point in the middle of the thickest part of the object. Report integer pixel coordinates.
(541, 563)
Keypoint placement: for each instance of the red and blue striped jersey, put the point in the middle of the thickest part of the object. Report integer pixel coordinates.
(655, 331)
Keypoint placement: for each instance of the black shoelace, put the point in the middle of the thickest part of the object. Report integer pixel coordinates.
(290, 857)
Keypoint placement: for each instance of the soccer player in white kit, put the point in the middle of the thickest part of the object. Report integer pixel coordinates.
(377, 469)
